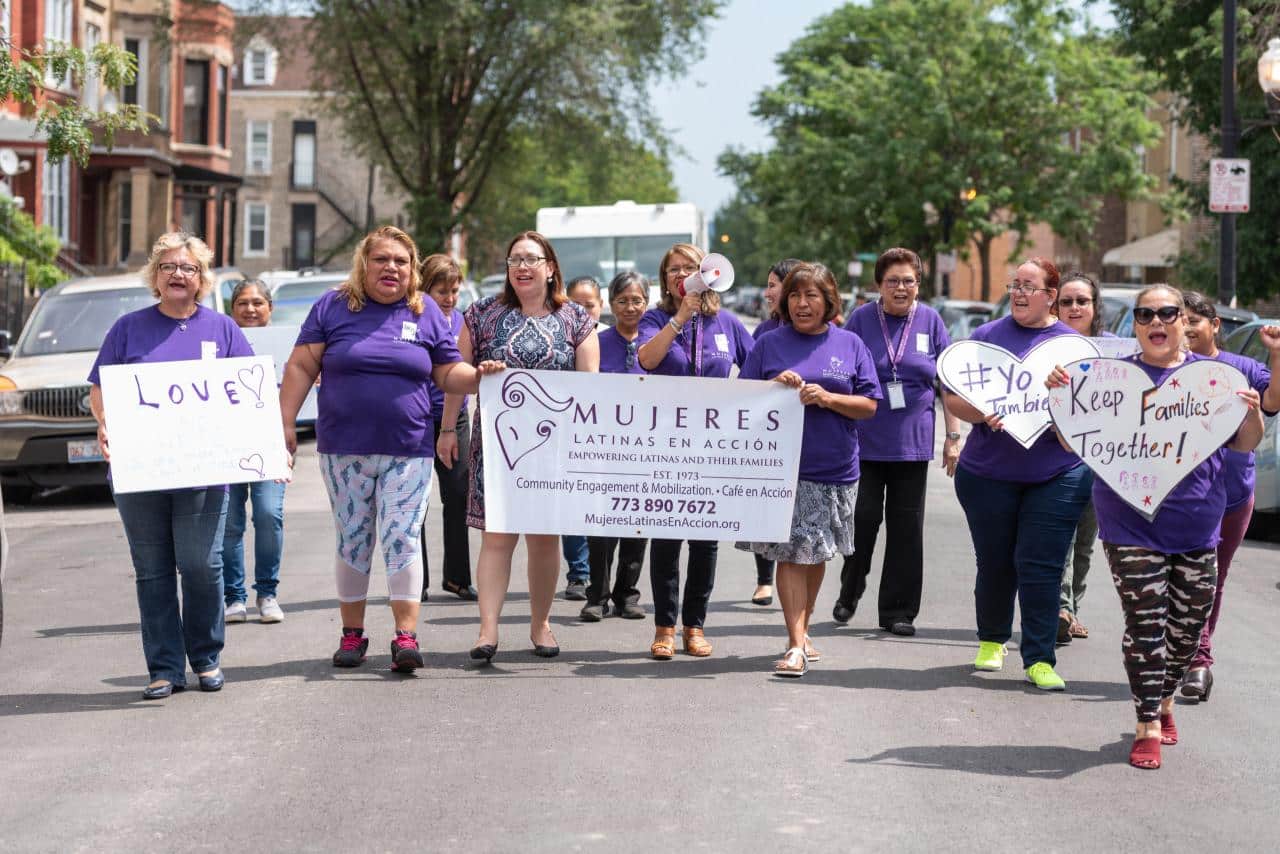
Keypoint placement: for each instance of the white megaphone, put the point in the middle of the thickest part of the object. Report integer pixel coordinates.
(714, 274)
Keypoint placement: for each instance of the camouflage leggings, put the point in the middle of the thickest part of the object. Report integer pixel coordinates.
(1166, 600)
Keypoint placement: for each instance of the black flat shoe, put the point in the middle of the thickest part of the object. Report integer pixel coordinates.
(484, 652)
(213, 683)
(842, 613)
(159, 692)
(901, 628)
(425, 596)
(546, 651)
(1198, 684)
(468, 593)
(629, 612)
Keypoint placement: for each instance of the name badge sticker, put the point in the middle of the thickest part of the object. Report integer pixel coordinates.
(922, 342)
(897, 397)
(408, 331)
(722, 342)
(208, 349)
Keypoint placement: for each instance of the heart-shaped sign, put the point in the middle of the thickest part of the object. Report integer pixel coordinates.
(997, 382)
(1143, 440)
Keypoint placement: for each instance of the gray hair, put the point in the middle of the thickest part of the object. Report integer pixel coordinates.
(244, 285)
(626, 279)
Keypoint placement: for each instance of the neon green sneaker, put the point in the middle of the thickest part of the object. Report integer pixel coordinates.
(1042, 675)
(990, 656)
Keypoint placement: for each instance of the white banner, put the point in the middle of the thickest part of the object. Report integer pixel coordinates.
(1144, 440)
(277, 342)
(996, 382)
(201, 422)
(624, 455)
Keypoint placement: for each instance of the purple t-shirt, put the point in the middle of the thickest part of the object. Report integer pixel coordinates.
(147, 335)
(721, 342)
(454, 322)
(1190, 516)
(376, 364)
(838, 361)
(1238, 468)
(764, 326)
(901, 435)
(997, 455)
(614, 350)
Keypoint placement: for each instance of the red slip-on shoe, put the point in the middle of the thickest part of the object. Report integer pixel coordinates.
(1145, 753)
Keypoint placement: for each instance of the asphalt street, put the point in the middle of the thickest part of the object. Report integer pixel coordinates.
(887, 744)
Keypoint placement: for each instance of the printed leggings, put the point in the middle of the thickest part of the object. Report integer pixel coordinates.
(383, 494)
(1166, 599)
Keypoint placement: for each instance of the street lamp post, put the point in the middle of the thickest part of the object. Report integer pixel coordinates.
(1230, 136)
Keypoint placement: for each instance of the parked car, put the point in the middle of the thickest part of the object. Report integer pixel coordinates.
(492, 285)
(48, 436)
(292, 298)
(1245, 341)
(962, 316)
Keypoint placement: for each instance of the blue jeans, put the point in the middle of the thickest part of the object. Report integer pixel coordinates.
(578, 556)
(267, 500)
(1021, 533)
(172, 532)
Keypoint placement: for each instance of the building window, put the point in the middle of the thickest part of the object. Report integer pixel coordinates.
(304, 155)
(258, 144)
(259, 64)
(195, 101)
(136, 92)
(4, 18)
(222, 106)
(57, 28)
(126, 220)
(194, 216)
(304, 235)
(163, 83)
(256, 227)
(90, 96)
(56, 213)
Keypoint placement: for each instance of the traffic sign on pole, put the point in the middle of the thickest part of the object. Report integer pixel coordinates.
(1228, 185)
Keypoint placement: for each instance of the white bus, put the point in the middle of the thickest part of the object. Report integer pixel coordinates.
(605, 240)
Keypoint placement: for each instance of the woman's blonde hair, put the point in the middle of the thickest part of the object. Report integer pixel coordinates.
(668, 303)
(195, 247)
(439, 269)
(353, 287)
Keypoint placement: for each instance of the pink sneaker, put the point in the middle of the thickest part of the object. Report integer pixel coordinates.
(405, 655)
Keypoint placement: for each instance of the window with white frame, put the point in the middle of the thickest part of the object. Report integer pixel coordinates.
(259, 64)
(56, 195)
(136, 92)
(258, 144)
(5, 18)
(58, 18)
(91, 93)
(256, 228)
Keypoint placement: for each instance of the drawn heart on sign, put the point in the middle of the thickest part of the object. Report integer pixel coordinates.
(997, 382)
(522, 431)
(255, 464)
(251, 378)
(1141, 439)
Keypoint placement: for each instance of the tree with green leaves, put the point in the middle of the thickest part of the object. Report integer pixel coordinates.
(441, 92)
(932, 123)
(1182, 43)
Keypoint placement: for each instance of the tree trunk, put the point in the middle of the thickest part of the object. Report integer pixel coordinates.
(984, 259)
(430, 222)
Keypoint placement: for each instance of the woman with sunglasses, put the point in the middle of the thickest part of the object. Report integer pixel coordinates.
(687, 335)
(628, 296)
(1202, 327)
(1164, 569)
(1077, 306)
(1022, 505)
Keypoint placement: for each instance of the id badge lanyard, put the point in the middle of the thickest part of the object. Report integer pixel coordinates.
(897, 398)
(695, 345)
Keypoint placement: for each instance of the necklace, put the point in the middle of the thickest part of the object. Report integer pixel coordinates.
(182, 321)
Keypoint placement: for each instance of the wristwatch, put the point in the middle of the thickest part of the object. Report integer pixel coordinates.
(953, 436)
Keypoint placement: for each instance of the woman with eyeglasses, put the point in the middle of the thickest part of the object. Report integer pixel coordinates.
(687, 335)
(531, 325)
(628, 296)
(175, 535)
(1078, 306)
(1022, 505)
(1164, 569)
(1202, 328)
(763, 595)
(378, 340)
(895, 445)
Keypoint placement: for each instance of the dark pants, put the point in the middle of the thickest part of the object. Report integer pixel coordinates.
(1232, 530)
(893, 493)
(664, 575)
(453, 495)
(1021, 532)
(764, 571)
(630, 562)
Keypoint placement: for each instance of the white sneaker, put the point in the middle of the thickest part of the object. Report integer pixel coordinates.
(269, 610)
(236, 612)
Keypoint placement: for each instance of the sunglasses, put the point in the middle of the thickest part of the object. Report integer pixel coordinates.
(1067, 302)
(1167, 314)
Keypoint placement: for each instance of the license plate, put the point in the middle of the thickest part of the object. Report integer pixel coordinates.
(84, 451)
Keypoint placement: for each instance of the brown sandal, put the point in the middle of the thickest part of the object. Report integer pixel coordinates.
(696, 644)
(663, 647)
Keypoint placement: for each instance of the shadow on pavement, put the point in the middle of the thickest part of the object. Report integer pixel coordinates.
(1043, 762)
(955, 676)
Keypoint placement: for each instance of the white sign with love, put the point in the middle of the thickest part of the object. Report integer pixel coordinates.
(201, 422)
(997, 382)
(1143, 440)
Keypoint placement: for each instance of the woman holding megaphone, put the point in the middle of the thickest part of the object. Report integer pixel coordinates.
(687, 335)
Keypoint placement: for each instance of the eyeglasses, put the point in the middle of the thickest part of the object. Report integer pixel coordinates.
(525, 260)
(1167, 314)
(900, 283)
(1020, 288)
(169, 268)
(629, 302)
(681, 271)
(1067, 302)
